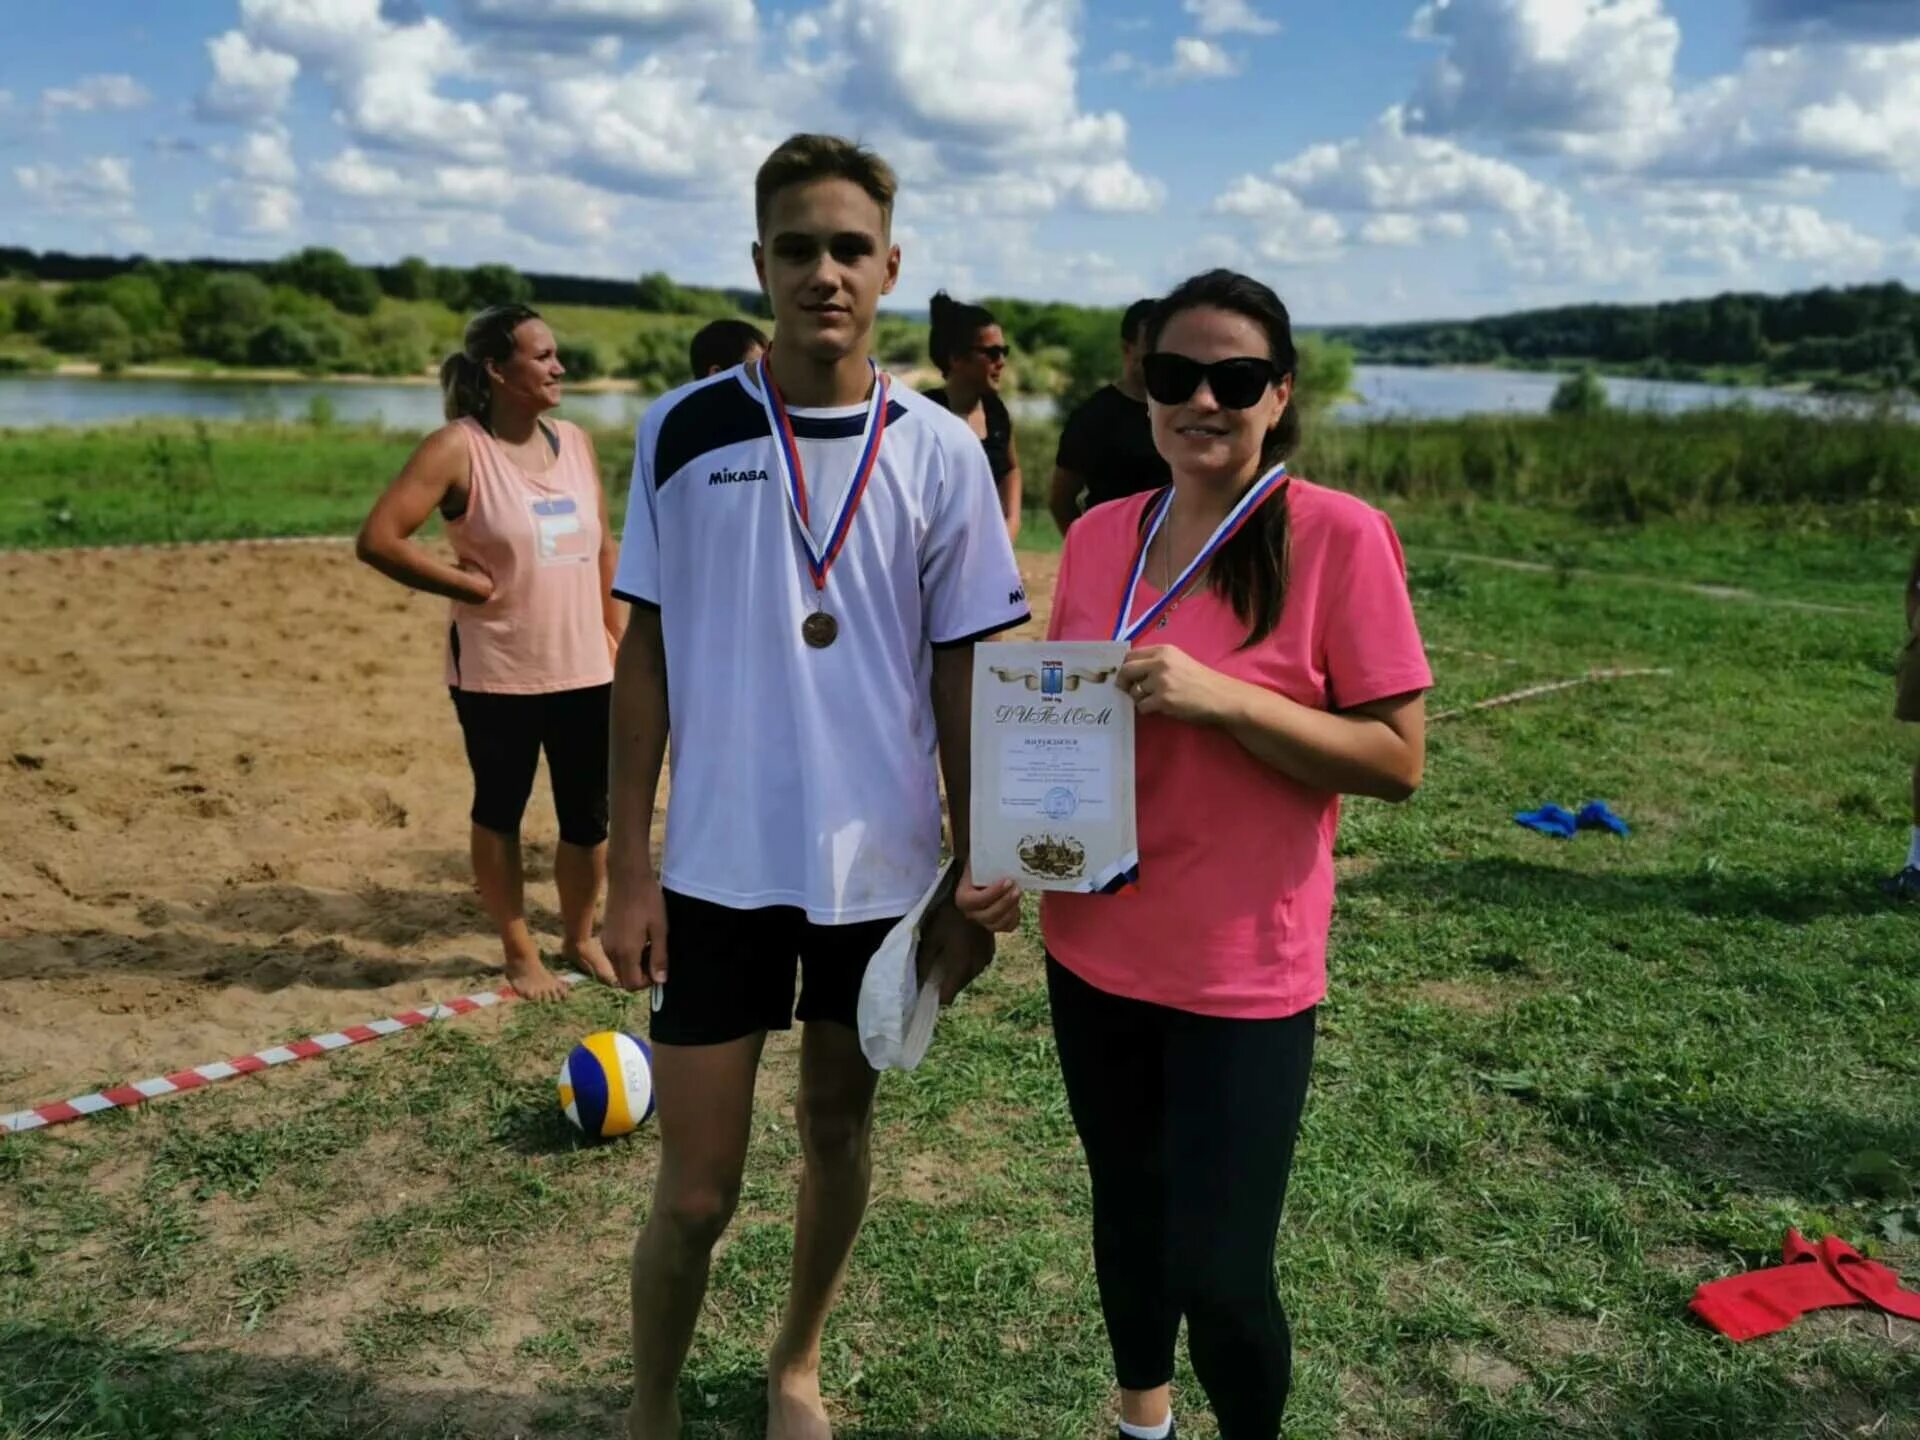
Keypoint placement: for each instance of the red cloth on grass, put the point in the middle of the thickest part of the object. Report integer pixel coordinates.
(1742, 1307)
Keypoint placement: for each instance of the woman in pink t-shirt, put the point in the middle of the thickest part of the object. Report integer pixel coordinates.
(1276, 666)
(530, 641)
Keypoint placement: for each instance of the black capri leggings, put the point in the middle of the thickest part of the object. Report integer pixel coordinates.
(1188, 1122)
(505, 735)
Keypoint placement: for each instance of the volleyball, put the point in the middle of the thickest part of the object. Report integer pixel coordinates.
(606, 1084)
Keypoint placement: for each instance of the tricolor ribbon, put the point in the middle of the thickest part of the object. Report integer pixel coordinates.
(820, 558)
(1274, 480)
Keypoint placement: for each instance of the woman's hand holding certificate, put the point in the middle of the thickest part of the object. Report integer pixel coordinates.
(1165, 680)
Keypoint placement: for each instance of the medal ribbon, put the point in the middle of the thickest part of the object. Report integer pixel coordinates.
(820, 559)
(1242, 511)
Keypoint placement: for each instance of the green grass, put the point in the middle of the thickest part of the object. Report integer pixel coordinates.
(184, 480)
(1559, 1085)
(1628, 466)
(1624, 485)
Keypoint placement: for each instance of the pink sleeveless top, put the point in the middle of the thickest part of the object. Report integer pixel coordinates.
(538, 538)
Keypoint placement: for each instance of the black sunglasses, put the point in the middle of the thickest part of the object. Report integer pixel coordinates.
(1236, 383)
(993, 352)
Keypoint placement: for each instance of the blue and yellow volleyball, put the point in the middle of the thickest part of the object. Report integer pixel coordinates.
(606, 1086)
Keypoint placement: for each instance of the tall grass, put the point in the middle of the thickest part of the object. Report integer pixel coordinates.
(184, 480)
(1628, 467)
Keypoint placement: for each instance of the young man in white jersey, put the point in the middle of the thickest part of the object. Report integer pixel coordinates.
(811, 553)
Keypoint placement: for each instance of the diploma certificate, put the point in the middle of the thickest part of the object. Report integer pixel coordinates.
(1052, 802)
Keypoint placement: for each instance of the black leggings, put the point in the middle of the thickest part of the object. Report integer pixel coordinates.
(1188, 1122)
(505, 735)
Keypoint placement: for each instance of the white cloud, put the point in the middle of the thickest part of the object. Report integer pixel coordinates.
(386, 76)
(351, 173)
(1848, 107)
(1390, 169)
(1554, 244)
(241, 208)
(1719, 233)
(1190, 58)
(1317, 240)
(265, 157)
(1009, 257)
(1229, 17)
(1291, 232)
(1006, 74)
(1590, 78)
(248, 80)
(657, 127)
(1409, 189)
(977, 104)
(985, 116)
(633, 17)
(100, 187)
(1117, 188)
(1595, 80)
(96, 92)
(1197, 59)
(1401, 228)
(556, 206)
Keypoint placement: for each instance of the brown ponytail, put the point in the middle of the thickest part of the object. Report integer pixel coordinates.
(1251, 570)
(464, 385)
(952, 327)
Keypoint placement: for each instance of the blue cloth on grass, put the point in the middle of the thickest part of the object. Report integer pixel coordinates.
(1595, 815)
(1549, 820)
(1561, 824)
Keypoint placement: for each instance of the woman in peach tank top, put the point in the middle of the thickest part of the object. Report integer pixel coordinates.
(530, 642)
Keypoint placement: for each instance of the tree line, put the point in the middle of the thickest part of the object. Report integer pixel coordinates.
(317, 311)
(1862, 337)
(314, 310)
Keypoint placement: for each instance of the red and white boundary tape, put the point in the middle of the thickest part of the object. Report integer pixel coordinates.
(140, 1091)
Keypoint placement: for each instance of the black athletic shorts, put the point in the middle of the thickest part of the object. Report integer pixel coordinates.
(731, 972)
(505, 735)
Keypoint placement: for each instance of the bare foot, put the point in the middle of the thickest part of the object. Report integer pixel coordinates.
(530, 979)
(794, 1408)
(649, 1425)
(588, 956)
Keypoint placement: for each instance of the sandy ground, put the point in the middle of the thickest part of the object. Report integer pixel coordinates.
(232, 809)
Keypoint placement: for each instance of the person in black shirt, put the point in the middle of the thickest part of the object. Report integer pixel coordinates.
(966, 344)
(1106, 448)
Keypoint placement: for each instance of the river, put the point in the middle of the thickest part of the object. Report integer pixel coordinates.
(35, 401)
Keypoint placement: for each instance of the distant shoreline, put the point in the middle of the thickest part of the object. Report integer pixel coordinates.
(89, 370)
(917, 376)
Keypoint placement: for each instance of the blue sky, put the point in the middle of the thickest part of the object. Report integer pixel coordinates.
(1374, 160)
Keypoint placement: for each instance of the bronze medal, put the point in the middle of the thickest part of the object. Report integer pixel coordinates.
(819, 630)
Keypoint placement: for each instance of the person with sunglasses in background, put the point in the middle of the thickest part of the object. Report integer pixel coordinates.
(1275, 666)
(967, 347)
